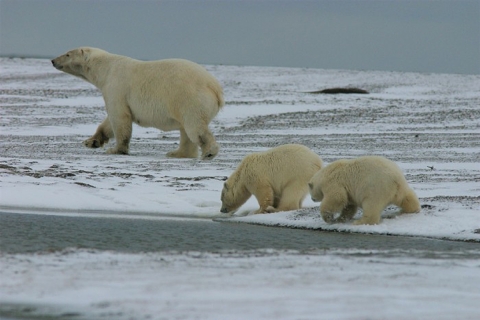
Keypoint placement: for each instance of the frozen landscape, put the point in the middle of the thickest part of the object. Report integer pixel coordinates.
(429, 124)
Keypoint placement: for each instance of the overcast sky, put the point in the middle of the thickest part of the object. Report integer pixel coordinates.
(395, 35)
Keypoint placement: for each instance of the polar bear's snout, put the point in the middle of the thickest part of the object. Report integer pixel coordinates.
(56, 65)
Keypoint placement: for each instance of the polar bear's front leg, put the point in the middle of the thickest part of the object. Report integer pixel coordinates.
(332, 204)
(348, 212)
(102, 135)
(122, 129)
(265, 197)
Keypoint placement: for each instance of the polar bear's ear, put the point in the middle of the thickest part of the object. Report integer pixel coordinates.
(225, 186)
(310, 185)
(84, 53)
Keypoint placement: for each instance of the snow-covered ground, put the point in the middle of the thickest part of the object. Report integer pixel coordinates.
(256, 285)
(428, 123)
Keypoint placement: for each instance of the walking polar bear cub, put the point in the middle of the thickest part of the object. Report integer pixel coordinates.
(170, 94)
(278, 178)
(370, 182)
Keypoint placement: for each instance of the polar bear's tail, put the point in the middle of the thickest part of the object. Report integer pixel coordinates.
(218, 93)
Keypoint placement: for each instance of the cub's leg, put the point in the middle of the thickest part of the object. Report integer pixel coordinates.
(122, 129)
(292, 197)
(186, 149)
(410, 203)
(265, 197)
(372, 210)
(348, 212)
(333, 203)
(102, 135)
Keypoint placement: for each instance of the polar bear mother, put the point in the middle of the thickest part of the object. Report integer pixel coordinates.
(172, 94)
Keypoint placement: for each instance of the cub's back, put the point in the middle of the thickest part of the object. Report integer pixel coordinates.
(376, 165)
(289, 162)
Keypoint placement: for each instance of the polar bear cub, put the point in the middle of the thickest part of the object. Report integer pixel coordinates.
(278, 178)
(371, 183)
(172, 94)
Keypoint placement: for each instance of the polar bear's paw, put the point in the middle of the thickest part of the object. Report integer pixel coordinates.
(92, 143)
(210, 153)
(182, 154)
(271, 209)
(117, 151)
(366, 221)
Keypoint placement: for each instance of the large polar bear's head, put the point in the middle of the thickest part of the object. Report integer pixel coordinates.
(75, 61)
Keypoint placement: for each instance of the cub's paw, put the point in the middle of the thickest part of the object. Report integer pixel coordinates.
(270, 209)
(328, 217)
(363, 221)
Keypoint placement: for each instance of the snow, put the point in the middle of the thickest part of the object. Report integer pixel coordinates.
(267, 285)
(427, 123)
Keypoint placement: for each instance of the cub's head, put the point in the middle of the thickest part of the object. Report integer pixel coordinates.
(228, 199)
(74, 61)
(314, 186)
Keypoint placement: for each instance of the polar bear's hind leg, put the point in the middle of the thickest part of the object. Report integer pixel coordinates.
(208, 145)
(186, 149)
(410, 203)
(372, 210)
(292, 197)
(200, 134)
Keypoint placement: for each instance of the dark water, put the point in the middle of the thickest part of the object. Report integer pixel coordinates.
(29, 233)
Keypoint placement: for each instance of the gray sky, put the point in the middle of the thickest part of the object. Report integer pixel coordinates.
(396, 35)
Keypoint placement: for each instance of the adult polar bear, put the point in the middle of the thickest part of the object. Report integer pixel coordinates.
(172, 94)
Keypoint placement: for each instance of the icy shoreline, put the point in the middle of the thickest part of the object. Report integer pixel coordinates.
(428, 123)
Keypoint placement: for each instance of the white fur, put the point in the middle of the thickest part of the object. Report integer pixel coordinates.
(370, 182)
(277, 178)
(172, 94)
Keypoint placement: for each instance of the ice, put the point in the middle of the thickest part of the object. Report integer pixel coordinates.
(428, 123)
